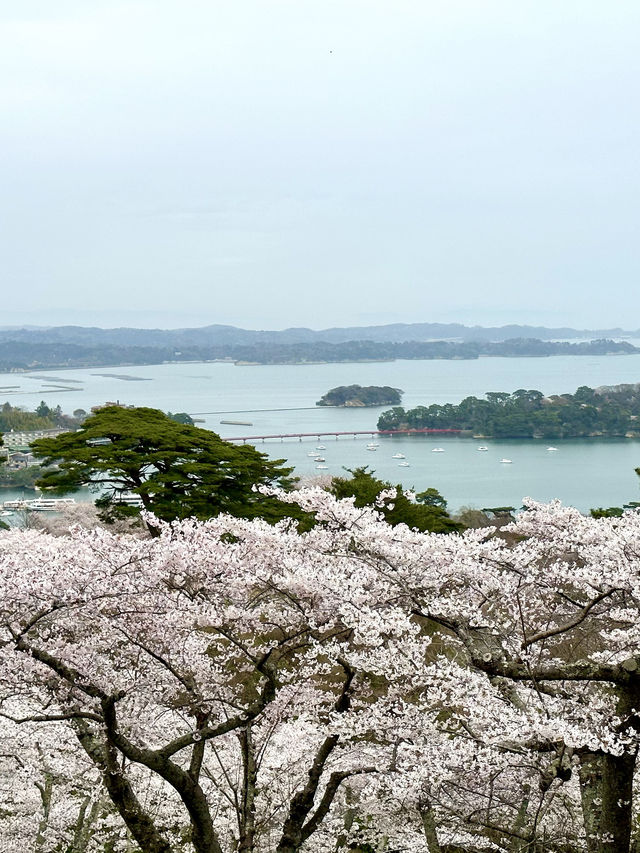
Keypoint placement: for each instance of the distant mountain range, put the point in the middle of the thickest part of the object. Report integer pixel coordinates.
(218, 335)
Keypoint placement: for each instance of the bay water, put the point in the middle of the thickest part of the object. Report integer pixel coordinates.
(279, 399)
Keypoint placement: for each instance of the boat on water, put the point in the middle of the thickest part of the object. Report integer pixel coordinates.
(482, 447)
(437, 449)
(320, 447)
(398, 456)
(372, 447)
(322, 467)
(130, 500)
(552, 449)
(320, 459)
(506, 461)
(38, 504)
(313, 453)
(14, 505)
(50, 504)
(403, 465)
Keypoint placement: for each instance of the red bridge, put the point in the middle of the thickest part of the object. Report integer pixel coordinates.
(336, 435)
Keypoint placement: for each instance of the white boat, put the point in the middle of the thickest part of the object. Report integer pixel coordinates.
(551, 449)
(130, 500)
(49, 504)
(371, 447)
(13, 505)
(398, 456)
(506, 461)
(320, 447)
(437, 449)
(5, 512)
(321, 467)
(320, 459)
(482, 447)
(313, 453)
(373, 444)
(403, 464)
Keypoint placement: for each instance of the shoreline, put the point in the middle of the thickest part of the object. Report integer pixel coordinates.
(20, 371)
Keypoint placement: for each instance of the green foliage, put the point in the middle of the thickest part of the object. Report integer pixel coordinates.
(178, 470)
(44, 417)
(43, 410)
(20, 478)
(607, 512)
(181, 418)
(13, 418)
(397, 508)
(431, 497)
(611, 411)
(357, 395)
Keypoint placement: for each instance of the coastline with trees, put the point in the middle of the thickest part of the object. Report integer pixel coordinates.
(608, 411)
(26, 354)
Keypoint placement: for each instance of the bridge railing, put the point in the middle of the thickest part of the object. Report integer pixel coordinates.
(354, 433)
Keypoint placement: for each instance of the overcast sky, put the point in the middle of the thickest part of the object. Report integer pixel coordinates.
(274, 163)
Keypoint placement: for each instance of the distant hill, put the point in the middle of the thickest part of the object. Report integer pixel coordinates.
(227, 336)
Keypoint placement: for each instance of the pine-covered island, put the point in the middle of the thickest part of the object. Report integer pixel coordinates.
(608, 411)
(358, 395)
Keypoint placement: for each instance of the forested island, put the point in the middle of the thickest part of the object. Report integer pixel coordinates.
(22, 355)
(359, 396)
(608, 411)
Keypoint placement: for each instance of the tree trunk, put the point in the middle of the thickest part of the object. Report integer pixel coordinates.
(248, 805)
(429, 828)
(606, 787)
(46, 793)
(121, 794)
(518, 843)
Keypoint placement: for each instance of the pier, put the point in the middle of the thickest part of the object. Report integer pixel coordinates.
(354, 434)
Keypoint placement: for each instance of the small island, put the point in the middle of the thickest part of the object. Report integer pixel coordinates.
(357, 395)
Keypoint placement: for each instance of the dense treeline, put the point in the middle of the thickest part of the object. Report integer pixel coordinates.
(43, 417)
(607, 411)
(21, 355)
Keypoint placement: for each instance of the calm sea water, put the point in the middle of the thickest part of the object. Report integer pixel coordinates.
(281, 398)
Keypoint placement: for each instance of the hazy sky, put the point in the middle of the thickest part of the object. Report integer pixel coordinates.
(271, 163)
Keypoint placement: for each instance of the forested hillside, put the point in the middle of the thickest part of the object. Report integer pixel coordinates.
(606, 411)
(26, 355)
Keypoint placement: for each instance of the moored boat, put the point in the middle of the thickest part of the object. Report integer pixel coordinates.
(48, 504)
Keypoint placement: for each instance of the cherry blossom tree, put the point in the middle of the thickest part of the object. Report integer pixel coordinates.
(541, 624)
(207, 670)
(236, 686)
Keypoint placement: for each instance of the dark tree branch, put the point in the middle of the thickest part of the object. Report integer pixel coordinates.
(571, 623)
